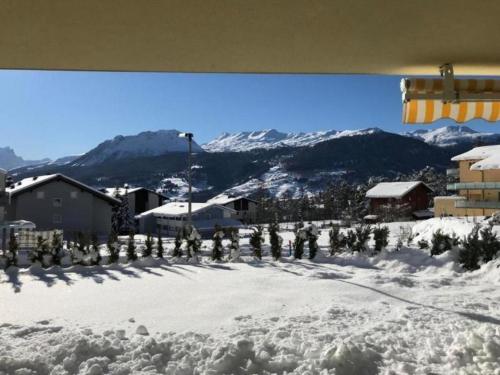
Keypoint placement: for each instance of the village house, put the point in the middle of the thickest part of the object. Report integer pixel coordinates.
(245, 209)
(478, 186)
(412, 196)
(3, 195)
(139, 199)
(171, 217)
(60, 202)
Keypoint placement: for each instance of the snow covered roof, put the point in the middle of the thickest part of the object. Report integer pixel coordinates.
(112, 192)
(32, 182)
(180, 209)
(225, 199)
(392, 189)
(488, 157)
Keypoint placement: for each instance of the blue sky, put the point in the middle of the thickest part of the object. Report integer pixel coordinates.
(53, 114)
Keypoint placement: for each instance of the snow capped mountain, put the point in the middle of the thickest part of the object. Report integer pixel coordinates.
(150, 143)
(452, 135)
(9, 159)
(269, 139)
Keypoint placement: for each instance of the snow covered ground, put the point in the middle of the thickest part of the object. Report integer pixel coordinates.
(393, 313)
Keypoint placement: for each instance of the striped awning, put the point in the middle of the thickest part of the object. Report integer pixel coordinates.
(424, 111)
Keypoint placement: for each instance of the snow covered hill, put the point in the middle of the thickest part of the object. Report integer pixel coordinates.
(9, 159)
(150, 143)
(269, 139)
(453, 135)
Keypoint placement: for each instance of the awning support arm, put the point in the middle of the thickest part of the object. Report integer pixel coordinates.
(449, 94)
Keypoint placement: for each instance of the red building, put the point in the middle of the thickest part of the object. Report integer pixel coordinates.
(414, 194)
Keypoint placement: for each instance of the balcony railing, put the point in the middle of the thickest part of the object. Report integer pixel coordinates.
(477, 204)
(474, 186)
(454, 172)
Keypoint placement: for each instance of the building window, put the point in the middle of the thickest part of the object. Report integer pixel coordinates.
(57, 202)
(56, 219)
(40, 195)
(73, 195)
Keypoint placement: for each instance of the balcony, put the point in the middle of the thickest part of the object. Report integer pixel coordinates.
(453, 172)
(474, 186)
(477, 204)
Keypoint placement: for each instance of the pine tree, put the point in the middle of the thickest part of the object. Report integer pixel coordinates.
(148, 246)
(276, 240)
(178, 244)
(11, 254)
(81, 251)
(113, 248)
(159, 247)
(337, 240)
(131, 254)
(256, 241)
(217, 249)
(312, 237)
(380, 237)
(94, 254)
(234, 246)
(423, 244)
(470, 255)
(57, 248)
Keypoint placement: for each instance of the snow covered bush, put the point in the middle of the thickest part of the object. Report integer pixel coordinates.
(131, 254)
(256, 241)
(380, 237)
(113, 248)
(350, 240)
(423, 244)
(312, 237)
(441, 242)
(234, 246)
(276, 240)
(39, 254)
(298, 243)
(93, 255)
(178, 244)
(193, 243)
(336, 239)
(78, 250)
(57, 248)
(361, 237)
(469, 255)
(490, 244)
(159, 247)
(147, 251)
(217, 249)
(11, 253)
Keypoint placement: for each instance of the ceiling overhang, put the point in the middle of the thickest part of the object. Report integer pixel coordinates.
(258, 36)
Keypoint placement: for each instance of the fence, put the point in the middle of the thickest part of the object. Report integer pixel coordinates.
(26, 238)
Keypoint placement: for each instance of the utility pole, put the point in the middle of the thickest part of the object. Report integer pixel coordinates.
(189, 137)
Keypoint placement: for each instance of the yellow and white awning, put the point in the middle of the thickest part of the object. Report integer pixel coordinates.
(427, 106)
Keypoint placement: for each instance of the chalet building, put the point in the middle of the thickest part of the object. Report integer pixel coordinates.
(59, 202)
(139, 199)
(478, 187)
(171, 217)
(245, 209)
(412, 194)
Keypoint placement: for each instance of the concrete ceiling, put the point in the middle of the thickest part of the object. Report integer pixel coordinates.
(274, 36)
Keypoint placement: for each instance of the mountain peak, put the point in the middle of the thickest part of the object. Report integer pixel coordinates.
(147, 143)
(452, 135)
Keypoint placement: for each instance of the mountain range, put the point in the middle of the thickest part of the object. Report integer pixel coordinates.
(246, 162)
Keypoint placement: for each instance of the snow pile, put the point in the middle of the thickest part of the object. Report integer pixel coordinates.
(457, 226)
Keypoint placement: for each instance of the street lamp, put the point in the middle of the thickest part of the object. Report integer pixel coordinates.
(189, 137)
